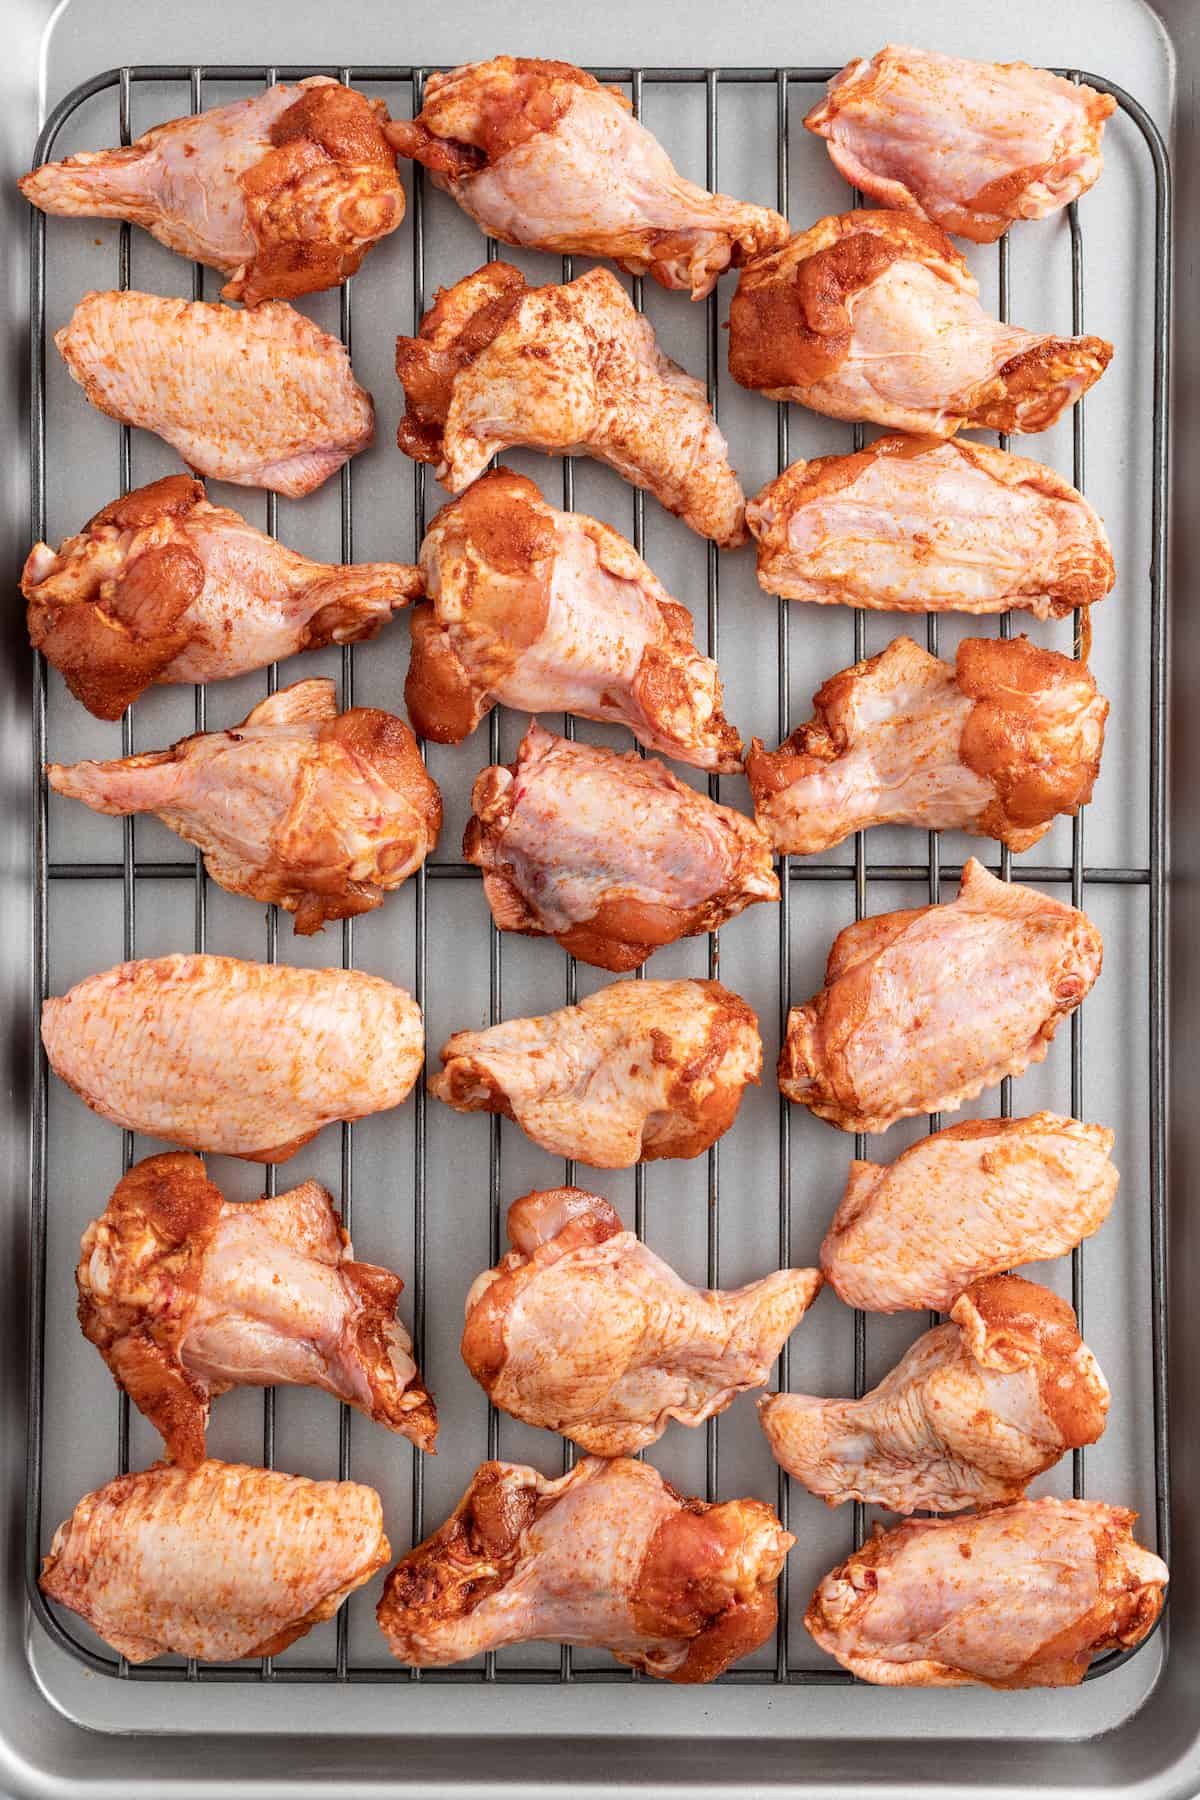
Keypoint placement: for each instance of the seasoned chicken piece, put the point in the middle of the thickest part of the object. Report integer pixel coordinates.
(317, 811)
(582, 1329)
(217, 1562)
(540, 154)
(1022, 1596)
(968, 1417)
(922, 1010)
(284, 192)
(162, 586)
(609, 854)
(998, 743)
(548, 611)
(186, 1296)
(966, 1203)
(875, 316)
(572, 370)
(247, 1058)
(914, 524)
(609, 1555)
(263, 398)
(971, 146)
(638, 1070)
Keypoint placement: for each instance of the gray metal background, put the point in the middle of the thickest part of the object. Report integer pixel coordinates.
(255, 1739)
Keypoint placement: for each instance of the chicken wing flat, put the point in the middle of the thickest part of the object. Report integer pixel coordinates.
(540, 154)
(872, 315)
(550, 611)
(608, 1556)
(186, 1296)
(317, 811)
(1022, 1596)
(998, 743)
(970, 146)
(162, 586)
(572, 370)
(914, 524)
(285, 192)
(968, 1417)
(966, 1203)
(636, 1071)
(251, 1059)
(216, 1562)
(609, 854)
(583, 1329)
(263, 398)
(922, 1010)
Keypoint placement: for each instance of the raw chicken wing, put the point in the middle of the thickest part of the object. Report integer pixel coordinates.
(163, 586)
(549, 611)
(285, 192)
(1022, 1596)
(263, 398)
(317, 811)
(247, 1058)
(914, 524)
(217, 1562)
(968, 1202)
(968, 1417)
(186, 1296)
(922, 1010)
(572, 370)
(609, 854)
(638, 1070)
(540, 154)
(608, 1555)
(971, 146)
(582, 1329)
(999, 743)
(875, 316)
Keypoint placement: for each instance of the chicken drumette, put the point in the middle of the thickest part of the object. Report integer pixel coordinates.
(304, 807)
(186, 1296)
(609, 1555)
(583, 1329)
(872, 315)
(540, 154)
(570, 369)
(285, 192)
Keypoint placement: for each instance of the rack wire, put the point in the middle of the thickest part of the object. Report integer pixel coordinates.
(130, 870)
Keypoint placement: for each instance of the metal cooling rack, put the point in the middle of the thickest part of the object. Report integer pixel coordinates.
(1078, 875)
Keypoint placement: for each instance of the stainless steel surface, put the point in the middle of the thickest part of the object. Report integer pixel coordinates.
(273, 1735)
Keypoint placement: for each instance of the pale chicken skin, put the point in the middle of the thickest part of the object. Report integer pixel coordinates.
(549, 611)
(581, 1328)
(1022, 1596)
(921, 1010)
(539, 153)
(971, 1413)
(970, 146)
(162, 586)
(609, 854)
(571, 369)
(636, 1071)
(971, 1201)
(875, 316)
(320, 812)
(250, 1059)
(285, 192)
(607, 1556)
(216, 1562)
(924, 524)
(998, 743)
(262, 399)
(186, 1296)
